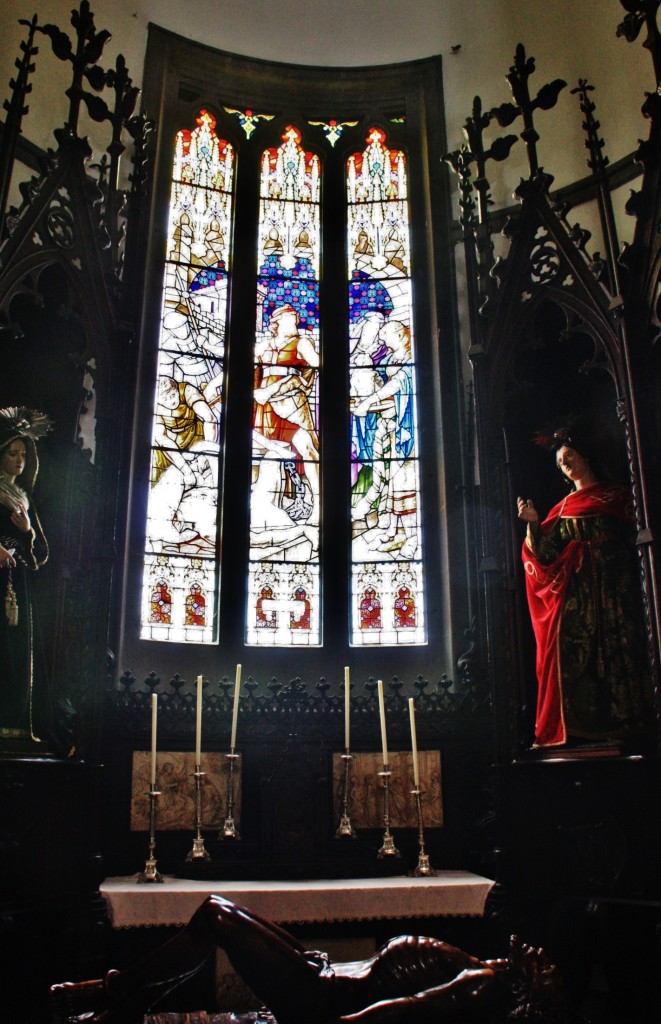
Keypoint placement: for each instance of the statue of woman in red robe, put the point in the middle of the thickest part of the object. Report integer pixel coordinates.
(584, 599)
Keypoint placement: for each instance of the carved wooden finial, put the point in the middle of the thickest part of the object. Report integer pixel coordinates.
(639, 13)
(83, 57)
(594, 144)
(499, 149)
(16, 109)
(460, 161)
(523, 106)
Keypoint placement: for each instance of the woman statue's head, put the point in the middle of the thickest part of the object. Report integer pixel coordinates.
(20, 429)
(576, 469)
(574, 455)
(13, 458)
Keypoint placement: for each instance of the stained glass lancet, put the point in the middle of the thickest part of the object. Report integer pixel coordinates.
(387, 576)
(283, 588)
(180, 580)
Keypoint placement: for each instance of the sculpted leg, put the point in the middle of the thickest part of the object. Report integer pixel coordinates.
(268, 959)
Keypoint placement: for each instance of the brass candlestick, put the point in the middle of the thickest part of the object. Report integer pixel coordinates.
(345, 829)
(229, 830)
(388, 848)
(150, 874)
(423, 866)
(198, 851)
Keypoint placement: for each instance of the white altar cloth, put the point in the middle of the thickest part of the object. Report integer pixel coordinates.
(172, 902)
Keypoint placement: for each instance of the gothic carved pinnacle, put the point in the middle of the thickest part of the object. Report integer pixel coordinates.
(16, 109)
(140, 128)
(598, 161)
(83, 58)
(460, 161)
(523, 105)
(499, 149)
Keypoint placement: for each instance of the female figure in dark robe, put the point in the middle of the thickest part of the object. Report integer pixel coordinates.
(23, 550)
(584, 599)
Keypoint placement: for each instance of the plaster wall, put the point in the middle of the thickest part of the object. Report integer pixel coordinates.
(569, 39)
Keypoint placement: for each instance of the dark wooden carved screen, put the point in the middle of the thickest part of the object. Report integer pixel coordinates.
(66, 314)
(555, 331)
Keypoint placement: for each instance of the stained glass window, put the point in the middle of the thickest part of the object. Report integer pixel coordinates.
(386, 549)
(283, 607)
(279, 569)
(180, 581)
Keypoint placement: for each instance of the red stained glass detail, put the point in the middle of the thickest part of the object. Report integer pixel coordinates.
(196, 607)
(161, 604)
(203, 118)
(405, 609)
(265, 620)
(303, 621)
(375, 135)
(290, 134)
(370, 610)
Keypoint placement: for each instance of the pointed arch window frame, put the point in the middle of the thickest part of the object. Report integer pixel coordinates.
(178, 78)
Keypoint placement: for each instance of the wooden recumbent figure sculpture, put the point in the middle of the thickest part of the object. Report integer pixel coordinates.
(410, 980)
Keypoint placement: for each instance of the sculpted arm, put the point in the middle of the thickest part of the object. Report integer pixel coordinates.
(527, 512)
(470, 992)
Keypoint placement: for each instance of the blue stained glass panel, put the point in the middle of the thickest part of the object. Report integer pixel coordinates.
(283, 607)
(387, 591)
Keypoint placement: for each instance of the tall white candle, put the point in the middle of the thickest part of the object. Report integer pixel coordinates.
(198, 723)
(235, 711)
(414, 744)
(347, 707)
(154, 711)
(382, 714)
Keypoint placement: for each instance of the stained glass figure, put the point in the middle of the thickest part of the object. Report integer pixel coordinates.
(370, 610)
(284, 505)
(196, 607)
(161, 604)
(183, 495)
(385, 490)
(265, 618)
(404, 609)
(300, 617)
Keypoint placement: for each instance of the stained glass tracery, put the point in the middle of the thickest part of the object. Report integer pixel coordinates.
(387, 580)
(332, 129)
(248, 119)
(283, 591)
(181, 573)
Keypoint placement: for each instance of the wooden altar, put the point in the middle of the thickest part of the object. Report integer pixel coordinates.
(446, 894)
